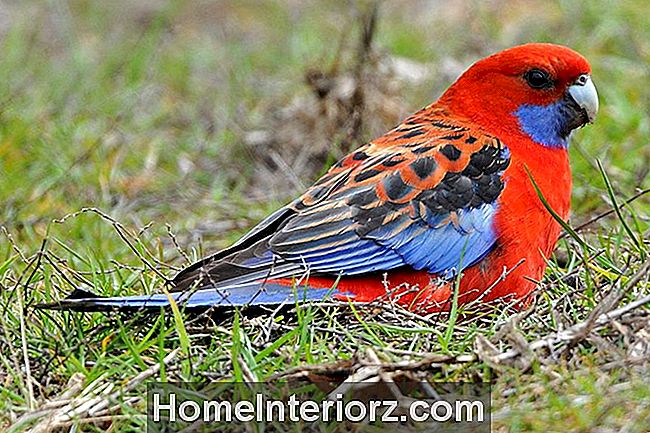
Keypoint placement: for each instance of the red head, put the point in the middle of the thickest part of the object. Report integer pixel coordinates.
(543, 91)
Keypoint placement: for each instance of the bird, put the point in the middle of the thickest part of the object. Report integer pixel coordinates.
(450, 207)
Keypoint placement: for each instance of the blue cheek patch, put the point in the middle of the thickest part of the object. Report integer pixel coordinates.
(543, 123)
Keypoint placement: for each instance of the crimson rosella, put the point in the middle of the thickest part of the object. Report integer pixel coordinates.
(445, 197)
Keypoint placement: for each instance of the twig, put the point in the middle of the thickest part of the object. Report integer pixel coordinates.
(13, 243)
(34, 263)
(357, 102)
(176, 244)
(570, 334)
(92, 401)
(23, 339)
(121, 231)
(609, 212)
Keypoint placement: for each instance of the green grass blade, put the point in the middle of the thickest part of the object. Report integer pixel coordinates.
(617, 209)
(555, 215)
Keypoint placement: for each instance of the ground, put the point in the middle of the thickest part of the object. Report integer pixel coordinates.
(136, 137)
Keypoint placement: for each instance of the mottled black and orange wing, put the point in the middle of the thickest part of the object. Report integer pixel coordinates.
(423, 196)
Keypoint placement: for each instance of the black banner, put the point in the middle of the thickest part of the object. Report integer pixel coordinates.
(318, 407)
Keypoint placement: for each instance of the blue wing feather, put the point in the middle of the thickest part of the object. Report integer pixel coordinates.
(437, 248)
(441, 229)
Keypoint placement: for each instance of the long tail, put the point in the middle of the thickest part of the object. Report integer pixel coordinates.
(256, 293)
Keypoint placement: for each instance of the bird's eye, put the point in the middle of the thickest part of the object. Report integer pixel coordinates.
(538, 79)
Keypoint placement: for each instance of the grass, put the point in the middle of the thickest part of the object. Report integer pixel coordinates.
(145, 112)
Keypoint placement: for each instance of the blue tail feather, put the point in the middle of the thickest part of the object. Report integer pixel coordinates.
(251, 294)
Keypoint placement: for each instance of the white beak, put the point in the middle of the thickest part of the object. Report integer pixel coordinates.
(584, 93)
